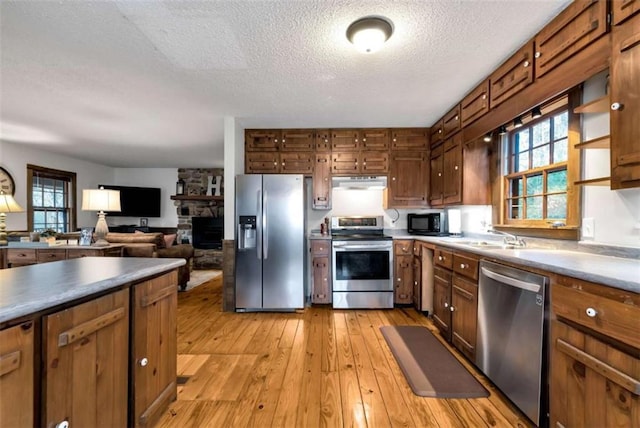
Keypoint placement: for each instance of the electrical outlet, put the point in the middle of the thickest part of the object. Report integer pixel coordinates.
(588, 228)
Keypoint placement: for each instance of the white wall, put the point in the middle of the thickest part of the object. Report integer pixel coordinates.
(233, 165)
(15, 157)
(369, 202)
(164, 178)
(615, 214)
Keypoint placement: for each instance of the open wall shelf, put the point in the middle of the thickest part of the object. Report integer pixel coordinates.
(599, 105)
(197, 198)
(595, 143)
(602, 181)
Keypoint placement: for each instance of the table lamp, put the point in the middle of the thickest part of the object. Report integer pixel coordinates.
(101, 200)
(7, 205)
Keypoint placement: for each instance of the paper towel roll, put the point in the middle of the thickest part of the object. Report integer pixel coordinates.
(455, 221)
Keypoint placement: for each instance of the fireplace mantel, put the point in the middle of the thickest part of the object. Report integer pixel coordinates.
(197, 198)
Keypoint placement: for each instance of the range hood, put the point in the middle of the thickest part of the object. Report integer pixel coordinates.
(378, 182)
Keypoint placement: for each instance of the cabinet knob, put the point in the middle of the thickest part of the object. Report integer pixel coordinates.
(451, 308)
(537, 54)
(283, 140)
(63, 424)
(591, 312)
(456, 118)
(439, 174)
(440, 258)
(364, 139)
(415, 282)
(526, 64)
(394, 140)
(393, 179)
(455, 167)
(325, 280)
(484, 97)
(446, 305)
(143, 362)
(439, 131)
(463, 266)
(616, 106)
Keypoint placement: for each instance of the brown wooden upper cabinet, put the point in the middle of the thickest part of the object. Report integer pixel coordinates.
(297, 140)
(410, 139)
(512, 76)
(475, 104)
(451, 122)
(408, 184)
(623, 9)
(297, 163)
(452, 183)
(436, 181)
(323, 140)
(262, 140)
(262, 163)
(625, 104)
(437, 133)
(375, 139)
(322, 182)
(573, 29)
(345, 140)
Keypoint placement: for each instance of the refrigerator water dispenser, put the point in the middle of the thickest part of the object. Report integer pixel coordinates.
(247, 232)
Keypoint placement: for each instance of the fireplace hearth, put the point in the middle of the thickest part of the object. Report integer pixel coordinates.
(207, 232)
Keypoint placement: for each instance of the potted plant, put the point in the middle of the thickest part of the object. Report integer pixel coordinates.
(48, 235)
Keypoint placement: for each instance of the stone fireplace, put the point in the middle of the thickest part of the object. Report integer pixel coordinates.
(201, 212)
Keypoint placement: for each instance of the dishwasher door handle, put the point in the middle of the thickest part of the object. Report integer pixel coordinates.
(529, 286)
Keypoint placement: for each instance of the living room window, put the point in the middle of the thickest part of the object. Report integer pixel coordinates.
(51, 202)
(540, 165)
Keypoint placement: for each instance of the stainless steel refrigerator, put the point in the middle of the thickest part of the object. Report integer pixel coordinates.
(269, 222)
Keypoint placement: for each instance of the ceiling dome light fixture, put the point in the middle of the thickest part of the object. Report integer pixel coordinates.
(368, 34)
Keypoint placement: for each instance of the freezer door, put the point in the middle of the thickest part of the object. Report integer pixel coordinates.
(283, 242)
(248, 260)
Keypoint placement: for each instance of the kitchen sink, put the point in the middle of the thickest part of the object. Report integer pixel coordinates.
(493, 245)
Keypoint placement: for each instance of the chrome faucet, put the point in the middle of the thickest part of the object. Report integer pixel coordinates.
(509, 239)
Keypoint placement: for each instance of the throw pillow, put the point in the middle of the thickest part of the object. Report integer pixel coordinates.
(169, 239)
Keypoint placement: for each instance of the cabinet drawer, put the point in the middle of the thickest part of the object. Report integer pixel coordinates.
(437, 133)
(443, 258)
(21, 256)
(85, 252)
(51, 255)
(475, 104)
(402, 247)
(512, 76)
(465, 265)
(320, 247)
(451, 121)
(613, 315)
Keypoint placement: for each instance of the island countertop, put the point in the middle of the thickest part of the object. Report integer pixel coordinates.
(31, 289)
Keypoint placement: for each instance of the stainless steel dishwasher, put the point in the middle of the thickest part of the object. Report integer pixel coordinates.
(511, 351)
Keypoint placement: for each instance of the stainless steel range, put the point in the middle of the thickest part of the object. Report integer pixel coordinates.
(362, 263)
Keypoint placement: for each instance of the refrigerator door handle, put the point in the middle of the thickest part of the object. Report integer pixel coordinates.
(265, 226)
(259, 225)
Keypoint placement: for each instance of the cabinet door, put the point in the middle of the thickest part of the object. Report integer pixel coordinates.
(86, 353)
(475, 104)
(437, 133)
(375, 139)
(262, 163)
(403, 271)
(297, 163)
(572, 30)
(322, 182)
(262, 140)
(592, 383)
(297, 140)
(372, 163)
(417, 282)
(623, 9)
(154, 354)
(451, 122)
(437, 176)
(452, 170)
(323, 140)
(442, 301)
(345, 163)
(625, 107)
(464, 301)
(410, 139)
(16, 376)
(347, 140)
(408, 180)
(513, 76)
(321, 291)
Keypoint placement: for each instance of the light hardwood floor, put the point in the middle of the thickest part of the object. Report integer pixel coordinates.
(318, 367)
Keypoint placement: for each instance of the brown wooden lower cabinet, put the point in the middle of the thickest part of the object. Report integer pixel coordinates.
(17, 376)
(403, 271)
(593, 384)
(86, 355)
(464, 300)
(321, 291)
(154, 353)
(442, 301)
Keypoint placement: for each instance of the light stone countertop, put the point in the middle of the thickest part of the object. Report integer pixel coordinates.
(618, 272)
(30, 289)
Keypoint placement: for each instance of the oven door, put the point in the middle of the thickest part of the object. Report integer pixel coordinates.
(362, 265)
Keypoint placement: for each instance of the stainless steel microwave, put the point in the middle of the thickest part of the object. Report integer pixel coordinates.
(430, 224)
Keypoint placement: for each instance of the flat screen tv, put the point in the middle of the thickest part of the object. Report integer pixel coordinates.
(137, 201)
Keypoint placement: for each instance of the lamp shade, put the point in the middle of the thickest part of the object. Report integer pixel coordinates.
(100, 200)
(8, 204)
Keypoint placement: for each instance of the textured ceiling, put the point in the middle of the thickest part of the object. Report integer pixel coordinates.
(148, 83)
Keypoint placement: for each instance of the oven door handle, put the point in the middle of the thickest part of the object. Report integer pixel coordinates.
(360, 247)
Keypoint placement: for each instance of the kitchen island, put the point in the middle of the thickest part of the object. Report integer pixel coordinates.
(88, 342)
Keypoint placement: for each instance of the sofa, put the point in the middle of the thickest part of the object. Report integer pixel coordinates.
(155, 244)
